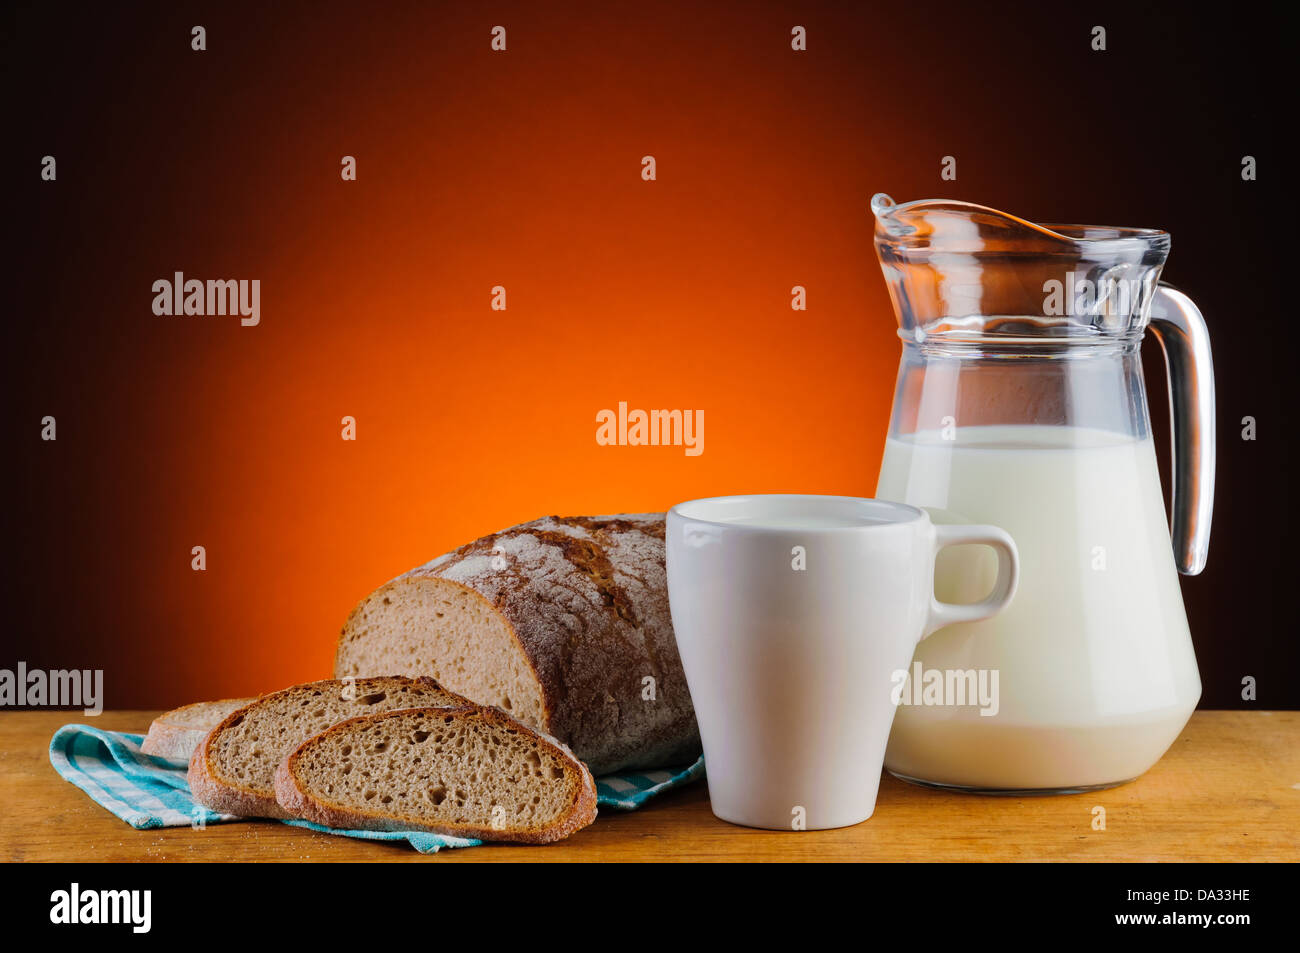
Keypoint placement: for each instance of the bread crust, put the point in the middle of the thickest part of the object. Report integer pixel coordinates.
(586, 600)
(229, 797)
(298, 802)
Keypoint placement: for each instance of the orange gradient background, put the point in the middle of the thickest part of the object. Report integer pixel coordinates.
(477, 169)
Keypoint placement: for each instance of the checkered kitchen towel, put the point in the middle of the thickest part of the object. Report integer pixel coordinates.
(147, 792)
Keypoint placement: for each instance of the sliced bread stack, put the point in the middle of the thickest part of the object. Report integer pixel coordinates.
(233, 770)
(561, 623)
(392, 753)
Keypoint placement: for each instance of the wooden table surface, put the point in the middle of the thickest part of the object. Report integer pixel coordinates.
(1228, 790)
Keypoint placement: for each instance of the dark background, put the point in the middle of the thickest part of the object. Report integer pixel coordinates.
(523, 169)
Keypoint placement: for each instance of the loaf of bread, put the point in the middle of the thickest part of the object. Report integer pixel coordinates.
(562, 622)
(468, 772)
(232, 771)
(177, 733)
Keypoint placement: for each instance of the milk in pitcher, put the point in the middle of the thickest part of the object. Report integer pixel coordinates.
(1097, 582)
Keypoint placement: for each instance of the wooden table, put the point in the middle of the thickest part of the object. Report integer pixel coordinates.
(1228, 790)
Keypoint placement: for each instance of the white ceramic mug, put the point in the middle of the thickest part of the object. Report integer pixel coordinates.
(792, 615)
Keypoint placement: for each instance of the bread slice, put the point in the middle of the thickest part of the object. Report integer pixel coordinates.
(468, 772)
(232, 770)
(175, 734)
(562, 623)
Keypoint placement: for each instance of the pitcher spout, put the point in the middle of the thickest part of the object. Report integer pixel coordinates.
(960, 269)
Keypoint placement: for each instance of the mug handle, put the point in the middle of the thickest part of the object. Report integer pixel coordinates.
(1004, 588)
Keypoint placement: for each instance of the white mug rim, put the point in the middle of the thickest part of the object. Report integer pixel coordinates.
(901, 514)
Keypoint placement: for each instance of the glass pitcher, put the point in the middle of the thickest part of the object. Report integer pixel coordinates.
(1021, 403)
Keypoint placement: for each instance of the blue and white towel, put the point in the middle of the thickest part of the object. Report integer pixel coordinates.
(148, 792)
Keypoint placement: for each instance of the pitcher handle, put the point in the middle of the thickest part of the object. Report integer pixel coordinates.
(1178, 326)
